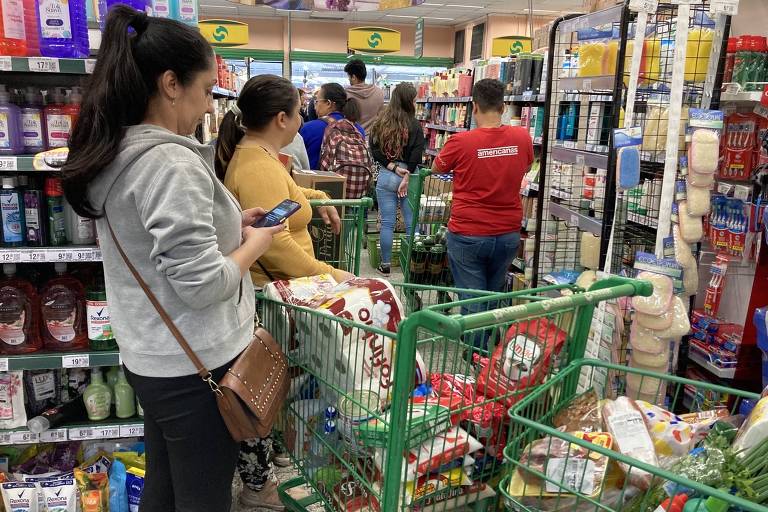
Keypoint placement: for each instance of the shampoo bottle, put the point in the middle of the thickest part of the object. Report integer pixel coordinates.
(13, 38)
(57, 233)
(32, 122)
(11, 142)
(63, 28)
(19, 314)
(125, 399)
(12, 210)
(80, 230)
(62, 302)
(97, 397)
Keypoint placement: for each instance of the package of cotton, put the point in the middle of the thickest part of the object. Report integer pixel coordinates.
(645, 340)
(704, 151)
(354, 357)
(658, 302)
(697, 199)
(691, 227)
(297, 292)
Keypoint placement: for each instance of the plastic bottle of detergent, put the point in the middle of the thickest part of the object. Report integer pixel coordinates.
(12, 212)
(58, 121)
(13, 37)
(63, 28)
(31, 27)
(32, 121)
(19, 314)
(11, 142)
(62, 303)
(184, 11)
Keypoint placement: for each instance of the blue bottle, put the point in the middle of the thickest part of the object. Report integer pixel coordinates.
(11, 142)
(63, 28)
(12, 210)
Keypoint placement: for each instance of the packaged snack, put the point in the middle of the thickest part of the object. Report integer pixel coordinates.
(523, 360)
(134, 484)
(60, 495)
(458, 499)
(42, 390)
(94, 491)
(20, 497)
(626, 424)
(12, 412)
(434, 483)
(577, 469)
(658, 302)
(581, 415)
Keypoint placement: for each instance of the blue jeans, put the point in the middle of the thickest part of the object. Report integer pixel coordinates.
(386, 194)
(481, 263)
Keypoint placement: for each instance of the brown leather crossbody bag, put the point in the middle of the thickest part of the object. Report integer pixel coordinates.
(253, 390)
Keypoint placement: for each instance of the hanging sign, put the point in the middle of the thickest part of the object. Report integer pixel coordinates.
(418, 40)
(373, 40)
(510, 45)
(224, 33)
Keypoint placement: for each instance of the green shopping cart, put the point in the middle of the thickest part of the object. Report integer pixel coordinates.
(379, 420)
(544, 476)
(343, 251)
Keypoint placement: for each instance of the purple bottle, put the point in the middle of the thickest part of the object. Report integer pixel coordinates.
(63, 28)
(11, 141)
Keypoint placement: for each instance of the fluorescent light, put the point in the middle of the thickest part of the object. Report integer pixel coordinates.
(466, 6)
(402, 16)
(432, 5)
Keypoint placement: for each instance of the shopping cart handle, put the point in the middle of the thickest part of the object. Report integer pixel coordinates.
(642, 288)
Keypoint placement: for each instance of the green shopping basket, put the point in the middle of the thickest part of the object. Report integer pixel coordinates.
(366, 383)
(342, 251)
(532, 486)
(430, 196)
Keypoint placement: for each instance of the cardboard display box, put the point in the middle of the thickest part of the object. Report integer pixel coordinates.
(327, 245)
(335, 185)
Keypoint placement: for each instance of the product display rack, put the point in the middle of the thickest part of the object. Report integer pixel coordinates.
(46, 71)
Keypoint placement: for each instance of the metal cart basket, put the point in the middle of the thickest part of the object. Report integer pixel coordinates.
(416, 419)
(532, 485)
(342, 251)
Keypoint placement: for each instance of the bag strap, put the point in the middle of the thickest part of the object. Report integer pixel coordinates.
(202, 371)
(266, 272)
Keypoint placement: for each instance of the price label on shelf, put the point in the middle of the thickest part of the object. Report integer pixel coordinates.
(96, 255)
(43, 65)
(131, 430)
(58, 255)
(580, 160)
(54, 436)
(8, 163)
(587, 85)
(89, 65)
(10, 256)
(33, 257)
(741, 192)
(81, 434)
(649, 6)
(727, 7)
(527, 95)
(574, 219)
(5, 438)
(23, 437)
(76, 361)
(6, 64)
(106, 432)
(3, 364)
(83, 255)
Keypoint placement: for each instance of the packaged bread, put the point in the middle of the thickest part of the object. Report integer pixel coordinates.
(624, 421)
(659, 300)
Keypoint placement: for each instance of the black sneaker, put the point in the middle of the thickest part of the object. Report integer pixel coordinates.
(384, 270)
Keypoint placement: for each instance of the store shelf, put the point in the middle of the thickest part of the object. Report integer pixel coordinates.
(47, 65)
(741, 97)
(723, 373)
(589, 83)
(431, 152)
(16, 163)
(49, 254)
(46, 360)
(218, 92)
(458, 99)
(445, 128)
(107, 429)
(576, 219)
(526, 98)
(593, 19)
(578, 156)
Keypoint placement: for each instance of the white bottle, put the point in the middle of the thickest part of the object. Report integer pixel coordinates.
(80, 230)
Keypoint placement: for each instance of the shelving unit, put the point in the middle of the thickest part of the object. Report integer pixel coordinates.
(218, 92)
(19, 71)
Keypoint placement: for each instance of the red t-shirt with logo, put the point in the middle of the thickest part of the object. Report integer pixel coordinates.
(488, 165)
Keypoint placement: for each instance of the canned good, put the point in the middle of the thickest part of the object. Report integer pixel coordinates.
(351, 415)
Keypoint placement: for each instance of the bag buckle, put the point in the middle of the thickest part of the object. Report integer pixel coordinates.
(212, 384)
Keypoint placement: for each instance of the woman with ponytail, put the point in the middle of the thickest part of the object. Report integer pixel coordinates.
(331, 102)
(133, 167)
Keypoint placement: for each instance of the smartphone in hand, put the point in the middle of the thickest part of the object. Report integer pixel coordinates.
(278, 214)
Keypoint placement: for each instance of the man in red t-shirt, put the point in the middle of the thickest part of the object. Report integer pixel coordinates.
(488, 164)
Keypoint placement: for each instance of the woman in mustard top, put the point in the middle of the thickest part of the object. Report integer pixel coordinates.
(266, 118)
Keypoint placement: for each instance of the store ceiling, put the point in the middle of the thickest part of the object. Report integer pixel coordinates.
(434, 12)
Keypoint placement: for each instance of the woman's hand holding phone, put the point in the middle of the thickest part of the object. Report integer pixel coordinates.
(252, 215)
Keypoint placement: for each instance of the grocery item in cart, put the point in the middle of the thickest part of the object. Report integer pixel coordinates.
(433, 485)
(625, 422)
(581, 415)
(575, 469)
(671, 435)
(755, 429)
(523, 360)
(658, 302)
(348, 357)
